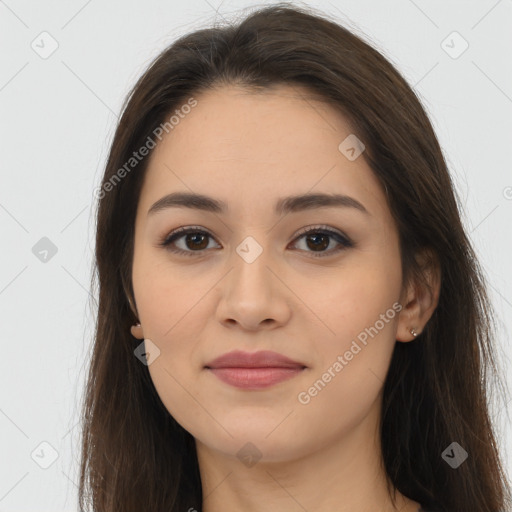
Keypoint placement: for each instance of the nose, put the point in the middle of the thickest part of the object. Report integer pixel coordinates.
(253, 295)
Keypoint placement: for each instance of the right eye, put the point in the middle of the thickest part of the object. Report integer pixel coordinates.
(194, 240)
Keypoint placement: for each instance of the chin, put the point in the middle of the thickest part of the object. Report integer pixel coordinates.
(252, 445)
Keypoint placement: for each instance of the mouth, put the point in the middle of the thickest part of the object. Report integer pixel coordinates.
(254, 370)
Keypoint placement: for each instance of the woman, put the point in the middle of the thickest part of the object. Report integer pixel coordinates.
(291, 316)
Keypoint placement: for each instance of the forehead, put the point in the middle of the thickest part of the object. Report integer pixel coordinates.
(250, 148)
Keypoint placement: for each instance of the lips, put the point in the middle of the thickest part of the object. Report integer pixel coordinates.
(262, 359)
(254, 371)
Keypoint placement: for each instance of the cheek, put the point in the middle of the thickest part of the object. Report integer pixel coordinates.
(165, 296)
(343, 387)
(172, 319)
(362, 314)
(357, 298)
(176, 388)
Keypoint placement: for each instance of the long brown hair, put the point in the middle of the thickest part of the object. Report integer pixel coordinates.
(135, 456)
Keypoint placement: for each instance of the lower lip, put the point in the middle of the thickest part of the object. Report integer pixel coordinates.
(254, 378)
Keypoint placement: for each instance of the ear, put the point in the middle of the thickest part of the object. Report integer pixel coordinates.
(136, 331)
(420, 298)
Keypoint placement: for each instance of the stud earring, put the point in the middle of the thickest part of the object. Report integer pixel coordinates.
(413, 332)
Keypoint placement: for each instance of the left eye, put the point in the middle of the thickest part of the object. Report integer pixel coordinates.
(196, 240)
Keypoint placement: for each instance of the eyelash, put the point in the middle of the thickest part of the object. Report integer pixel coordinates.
(344, 241)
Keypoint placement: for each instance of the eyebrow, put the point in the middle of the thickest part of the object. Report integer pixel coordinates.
(283, 205)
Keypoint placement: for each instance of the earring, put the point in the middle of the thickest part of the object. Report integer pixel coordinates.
(413, 332)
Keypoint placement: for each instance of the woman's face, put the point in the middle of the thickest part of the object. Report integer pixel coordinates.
(250, 280)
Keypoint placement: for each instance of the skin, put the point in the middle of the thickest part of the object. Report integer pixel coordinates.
(249, 150)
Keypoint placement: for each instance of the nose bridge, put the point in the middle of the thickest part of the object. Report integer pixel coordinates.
(251, 259)
(252, 295)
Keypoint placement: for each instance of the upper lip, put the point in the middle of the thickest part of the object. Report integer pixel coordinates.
(262, 359)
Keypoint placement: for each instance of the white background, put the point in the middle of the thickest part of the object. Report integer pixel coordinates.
(58, 117)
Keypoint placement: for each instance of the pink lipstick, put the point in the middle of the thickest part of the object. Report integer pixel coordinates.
(256, 370)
